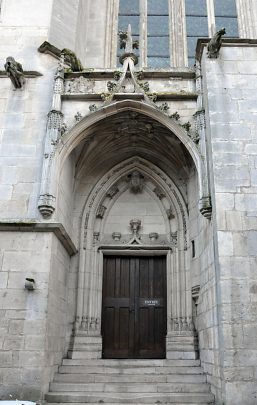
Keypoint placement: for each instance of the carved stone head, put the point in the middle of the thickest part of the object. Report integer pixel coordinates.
(136, 182)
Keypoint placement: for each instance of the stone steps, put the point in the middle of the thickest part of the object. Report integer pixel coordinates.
(129, 370)
(131, 363)
(129, 382)
(128, 387)
(130, 378)
(131, 398)
(134, 403)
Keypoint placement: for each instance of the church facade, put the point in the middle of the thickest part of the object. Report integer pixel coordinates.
(128, 197)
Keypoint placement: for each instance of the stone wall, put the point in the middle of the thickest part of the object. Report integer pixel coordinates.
(202, 274)
(23, 113)
(35, 325)
(231, 99)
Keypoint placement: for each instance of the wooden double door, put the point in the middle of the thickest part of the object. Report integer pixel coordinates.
(134, 307)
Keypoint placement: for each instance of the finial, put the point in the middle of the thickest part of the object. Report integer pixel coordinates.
(127, 43)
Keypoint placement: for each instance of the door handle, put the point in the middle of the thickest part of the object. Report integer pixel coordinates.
(131, 310)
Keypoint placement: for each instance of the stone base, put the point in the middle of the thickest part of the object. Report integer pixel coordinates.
(182, 345)
(84, 346)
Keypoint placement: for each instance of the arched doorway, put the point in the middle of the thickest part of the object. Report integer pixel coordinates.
(127, 162)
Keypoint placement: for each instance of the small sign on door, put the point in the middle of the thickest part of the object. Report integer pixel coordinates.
(152, 302)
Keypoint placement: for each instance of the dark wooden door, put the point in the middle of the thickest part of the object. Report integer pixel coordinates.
(134, 307)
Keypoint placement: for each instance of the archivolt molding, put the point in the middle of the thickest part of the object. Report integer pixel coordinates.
(110, 180)
(105, 193)
(84, 128)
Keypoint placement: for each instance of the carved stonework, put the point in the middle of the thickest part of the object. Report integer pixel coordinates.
(63, 129)
(182, 324)
(175, 116)
(46, 205)
(174, 238)
(170, 214)
(14, 70)
(214, 45)
(133, 126)
(135, 225)
(136, 182)
(79, 85)
(127, 43)
(153, 236)
(55, 120)
(96, 236)
(78, 117)
(71, 60)
(195, 293)
(112, 192)
(101, 211)
(205, 207)
(92, 108)
(164, 107)
(111, 86)
(160, 194)
(116, 236)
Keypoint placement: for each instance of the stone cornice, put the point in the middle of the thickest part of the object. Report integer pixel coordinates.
(181, 73)
(29, 226)
(238, 42)
(27, 73)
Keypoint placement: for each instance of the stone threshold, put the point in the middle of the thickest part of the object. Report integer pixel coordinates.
(29, 226)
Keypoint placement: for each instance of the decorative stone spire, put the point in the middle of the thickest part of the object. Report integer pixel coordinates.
(127, 43)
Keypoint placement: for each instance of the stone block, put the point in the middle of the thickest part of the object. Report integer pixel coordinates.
(246, 202)
(238, 373)
(3, 279)
(238, 393)
(225, 242)
(31, 358)
(245, 243)
(225, 201)
(6, 192)
(234, 220)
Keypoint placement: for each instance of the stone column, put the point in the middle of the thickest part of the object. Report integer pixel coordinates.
(247, 18)
(178, 48)
(46, 204)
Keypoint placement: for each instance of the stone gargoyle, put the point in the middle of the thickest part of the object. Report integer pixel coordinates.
(214, 45)
(14, 70)
(71, 59)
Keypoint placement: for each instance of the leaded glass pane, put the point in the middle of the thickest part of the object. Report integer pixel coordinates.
(158, 25)
(230, 24)
(197, 26)
(191, 61)
(158, 46)
(129, 7)
(225, 8)
(191, 46)
(124, 21)
(157, 63)
(157, 7)
(196, 7)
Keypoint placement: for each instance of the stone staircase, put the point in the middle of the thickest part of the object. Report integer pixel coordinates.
(85, 381)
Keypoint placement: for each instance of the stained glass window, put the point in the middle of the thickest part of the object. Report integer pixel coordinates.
(128, 14)
(158, 34)
(226, 16)
(196, 25)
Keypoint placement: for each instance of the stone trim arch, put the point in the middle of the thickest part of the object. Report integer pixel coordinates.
(84, 128)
